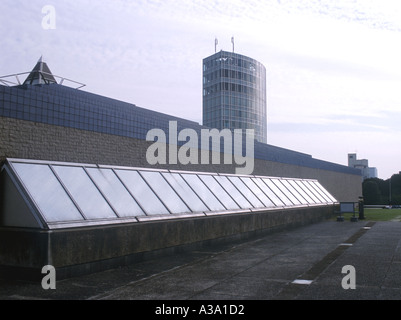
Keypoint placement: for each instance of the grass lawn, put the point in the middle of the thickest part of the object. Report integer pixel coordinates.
(377, 215)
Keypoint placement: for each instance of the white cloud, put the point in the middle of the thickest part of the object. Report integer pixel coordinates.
(333, 65)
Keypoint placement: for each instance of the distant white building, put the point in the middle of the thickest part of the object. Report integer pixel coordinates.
(363, 165)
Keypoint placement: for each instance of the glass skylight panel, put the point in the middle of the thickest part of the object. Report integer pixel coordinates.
(47, 192)
(84, 192)
(256, 191)
(241, 186)
(185, 192)
(141, 192)
(233, 191)
(313, 191)
(74, 193)
(276, 200)
(219, 192)
(115, 192)
(307, 190)
(332, 199)
(285, 190)
(280, 194)
(318, 190)
(203, 192)
(301, 192)
(293, 191)
(164, 191)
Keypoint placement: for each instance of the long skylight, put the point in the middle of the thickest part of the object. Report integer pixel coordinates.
(63, 195)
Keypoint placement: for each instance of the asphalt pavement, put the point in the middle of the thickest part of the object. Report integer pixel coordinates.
(324, 261)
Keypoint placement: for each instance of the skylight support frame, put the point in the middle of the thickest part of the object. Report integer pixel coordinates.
(9, 83)
(245, 189)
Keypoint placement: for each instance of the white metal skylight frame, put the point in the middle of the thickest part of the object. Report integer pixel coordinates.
(75, 195)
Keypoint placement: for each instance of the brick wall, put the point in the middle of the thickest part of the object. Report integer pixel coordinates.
(32, 140)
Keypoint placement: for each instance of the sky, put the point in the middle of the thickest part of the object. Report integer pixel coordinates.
(333, 66)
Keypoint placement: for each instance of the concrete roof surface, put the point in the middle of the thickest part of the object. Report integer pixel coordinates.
(305, 263)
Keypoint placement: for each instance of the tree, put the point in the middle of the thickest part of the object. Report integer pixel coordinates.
(395, 188)
(371, 192)
(377, 191)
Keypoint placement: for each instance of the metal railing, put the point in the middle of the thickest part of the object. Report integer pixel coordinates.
(8, 83)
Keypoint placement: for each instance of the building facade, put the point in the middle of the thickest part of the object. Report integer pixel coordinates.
(77, 190)
(234, 93)
(58, 123)
(363, 165)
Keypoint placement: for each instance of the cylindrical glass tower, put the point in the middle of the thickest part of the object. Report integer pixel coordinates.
(234, 93)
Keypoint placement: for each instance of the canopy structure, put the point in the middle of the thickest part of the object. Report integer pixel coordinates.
(55, 195)
(40, 74)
